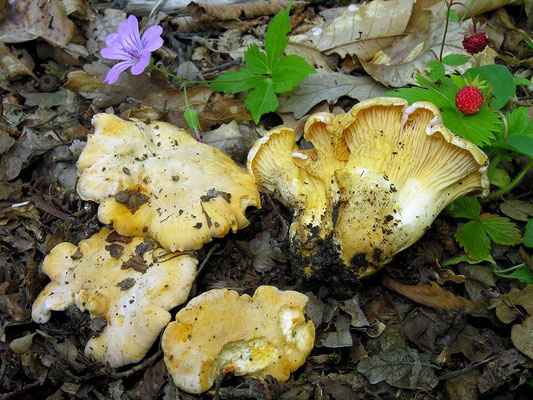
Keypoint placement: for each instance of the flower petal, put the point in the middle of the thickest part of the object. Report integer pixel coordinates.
(114, 53)
(141, 65)
(130, 35)
(151, 39)
(110, 38)
(115, 71)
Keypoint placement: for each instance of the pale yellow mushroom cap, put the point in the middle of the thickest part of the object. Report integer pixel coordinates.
(381, 173)
(157, 181)
(106, 279)
(221, 332)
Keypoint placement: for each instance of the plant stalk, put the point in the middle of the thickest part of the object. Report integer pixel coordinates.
(449, 7)
(514, 182)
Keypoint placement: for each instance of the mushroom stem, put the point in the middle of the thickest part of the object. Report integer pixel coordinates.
(515, 181)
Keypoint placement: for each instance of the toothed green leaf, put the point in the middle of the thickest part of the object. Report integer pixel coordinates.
(236, 81)
(289, 71)
(262, 99)
(473, 238)
(477, 128)
(256, 60)
(465, 207)
(500, 229)
(276, 36)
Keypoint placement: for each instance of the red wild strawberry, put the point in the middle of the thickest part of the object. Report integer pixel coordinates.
(475, 43)
(469, 100)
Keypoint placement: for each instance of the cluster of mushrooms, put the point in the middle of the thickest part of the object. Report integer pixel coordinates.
(369, 184)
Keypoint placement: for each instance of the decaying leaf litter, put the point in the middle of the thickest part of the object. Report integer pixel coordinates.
(416, 329)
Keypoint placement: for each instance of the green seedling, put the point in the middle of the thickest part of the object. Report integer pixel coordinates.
(267, 72)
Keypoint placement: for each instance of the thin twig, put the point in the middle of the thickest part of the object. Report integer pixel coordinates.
(223, 66)
(177, 45)
(207, 257)
(15, 393)
(145, 364)
(464, 370)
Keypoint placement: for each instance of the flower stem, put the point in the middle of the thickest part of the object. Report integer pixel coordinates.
(514, 182)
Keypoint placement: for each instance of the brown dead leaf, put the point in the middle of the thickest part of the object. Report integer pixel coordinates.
(327, 86)
(211, 106)
(399, 64)
(90, 84)
(101, 25)
(16, 63)
(188, 24)
(30, 19)
(506, 304)
(361, 30)
(522, 336)
(76, 8)
(226, 12)
(432, 295)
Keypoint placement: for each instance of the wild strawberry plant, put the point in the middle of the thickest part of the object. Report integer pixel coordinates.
(471, 104)
(267, 73)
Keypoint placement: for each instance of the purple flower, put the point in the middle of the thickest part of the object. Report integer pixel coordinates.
(127, 45)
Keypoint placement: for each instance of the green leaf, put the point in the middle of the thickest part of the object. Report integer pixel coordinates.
(518, 80)
(520, 272)
(262, 99)
(236, 81)
(256, 60)
(453, 16)
(528, 234)
(465, 207)
(437, 70)
(472, 237)
(465, 258)
(500, 229)
(499, 177)
(527, 39)
(290, 71)
(276, 36)
(517, 121)
(455, 60)
(415, 94)
(521, 143)
(476, 128)
(501, 80)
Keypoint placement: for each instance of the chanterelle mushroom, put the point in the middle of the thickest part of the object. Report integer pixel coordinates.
(157, 181)
(129, 284)
(220, 332)
(374, 181)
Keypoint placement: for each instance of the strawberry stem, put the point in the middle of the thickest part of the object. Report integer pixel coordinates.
(449, 7)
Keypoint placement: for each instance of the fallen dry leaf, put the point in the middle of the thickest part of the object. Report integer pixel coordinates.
(505, 305)
(16, 63)
(211, 106)
(327, 86)
(90, 84)
(226, 12)
(399, 64)
(522, 336)
(361, 30)
(432, 295)
(30, 19)
(102, 25)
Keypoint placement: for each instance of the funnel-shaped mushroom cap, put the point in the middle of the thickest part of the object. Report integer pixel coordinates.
(221, 332)
(386, 170)
(157, 181)
(129, 283)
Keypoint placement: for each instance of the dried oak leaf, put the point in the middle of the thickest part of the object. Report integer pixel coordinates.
(432, 295)
(30, 19)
